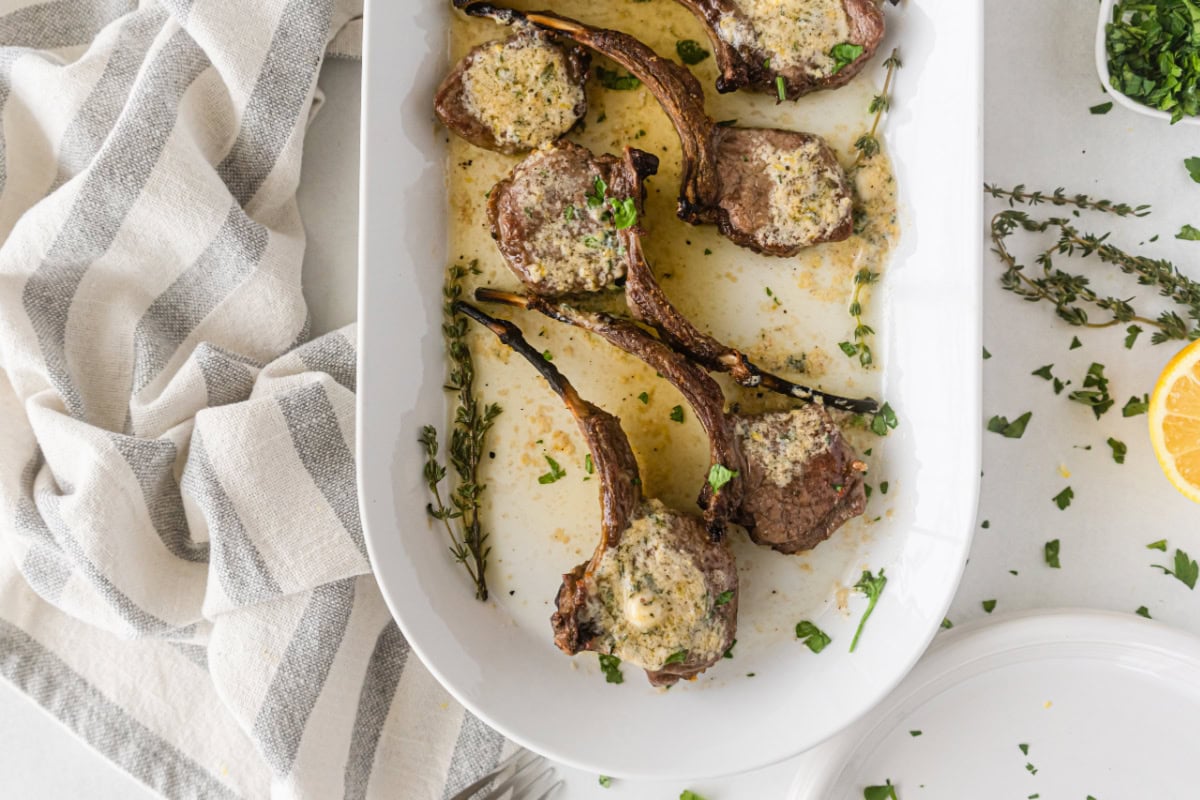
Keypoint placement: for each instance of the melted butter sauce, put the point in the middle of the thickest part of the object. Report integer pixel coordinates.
(539, 531)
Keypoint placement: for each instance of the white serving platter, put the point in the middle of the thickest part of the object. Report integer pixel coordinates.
(497, 658)
(1076, 704)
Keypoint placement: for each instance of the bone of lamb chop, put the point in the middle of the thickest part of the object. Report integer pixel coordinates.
(565, 221)
(658, 592)
(515, 94)
(789, 48)
(794, 479)
(772, 191)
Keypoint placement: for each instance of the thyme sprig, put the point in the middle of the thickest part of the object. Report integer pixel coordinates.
(1072, 295)
(472, 421)
(868, 147)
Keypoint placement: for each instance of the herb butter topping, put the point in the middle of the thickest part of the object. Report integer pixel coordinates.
(521, 90)
(794, 33)
(652, 599)
(780, 444)
(808, 199)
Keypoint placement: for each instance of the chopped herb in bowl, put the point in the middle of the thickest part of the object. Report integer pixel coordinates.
(1152, 52)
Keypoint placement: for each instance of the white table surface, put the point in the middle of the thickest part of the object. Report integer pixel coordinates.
(1040, 83)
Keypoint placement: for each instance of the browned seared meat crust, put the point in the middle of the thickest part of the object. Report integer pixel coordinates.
(555, 218)
(753, 51)
(803, 479)
(515, 94)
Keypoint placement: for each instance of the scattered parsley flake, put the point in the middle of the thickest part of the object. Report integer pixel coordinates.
(1193, 167)
(677, 414)
(719, 475)
(690, 51)
(1075, 343)
(613, 79)
(676, 658)
(989, 605)
(844, 55)
(556, 472)
(1010, 430)
(1043, 372)
(914, 734)
(1189, 234)
(1024, 749)
(812, 636)
(1160, 545)
(1142, 611)
(986, 354)
(1101, 108)
(611, 667)
(644, 397)
(885, 792)
(588, 466)
(872, 587)
(1051, 553)
(1186, 570)
(605, 781)
(1135, 406)
(946, 623)
(1119, 450)
(1133, 332)
(1064, 498)
(724, 597)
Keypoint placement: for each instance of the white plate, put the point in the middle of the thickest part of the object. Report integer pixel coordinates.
(1105, 703)
(1106, 9)
(501, 665)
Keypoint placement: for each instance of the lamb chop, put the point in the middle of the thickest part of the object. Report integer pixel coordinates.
(566, 222)
(772, 191)
(658, 592)
(790, 48)
(792, 479)
(515, 94)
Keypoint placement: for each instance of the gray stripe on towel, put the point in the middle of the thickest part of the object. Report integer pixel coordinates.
(100, 722)
(374, 702)
(300, 677)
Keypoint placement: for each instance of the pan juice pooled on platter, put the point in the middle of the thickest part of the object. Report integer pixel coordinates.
(784, 314)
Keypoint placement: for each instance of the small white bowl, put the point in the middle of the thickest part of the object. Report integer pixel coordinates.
(1106, 9)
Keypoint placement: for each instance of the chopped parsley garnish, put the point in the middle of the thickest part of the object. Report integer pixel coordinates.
(1051, 552)
(688, 794)
(987, 523)
(1010, 430)
(612, 79)
(605, 781)
(1119, 450)
(989, 606)
(780, 88)
(1024, 749)
(1064, 498)
(596, 198)
(845, 54)
(588, 466)
(1044, 372)
(1193, 167)
(556, 472)
(569, 213)
(986, 354)
(676, 658)
(885, 792)
(677, 414)
(884, 420)
(883, 487)
(1030, 768)
(914, 734)
(546, 354)
(1095, 391)
(1133, 332)
(1189, 234)
(611, 667)
(1142, 611)
(719, 475)
(690, 51)
(1136, 406)
(812, 636)
(946, 623)
(724, 597)
(644, 397)
(1075, 343)
(1186, 570)
(1102, 108)
(624, 212)
(729, 650)
(1160, 545)
(872, 587)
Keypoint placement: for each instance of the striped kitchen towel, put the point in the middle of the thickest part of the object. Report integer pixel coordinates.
(183, 580)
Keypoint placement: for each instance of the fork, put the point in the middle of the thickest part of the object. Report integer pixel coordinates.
(518, 778)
